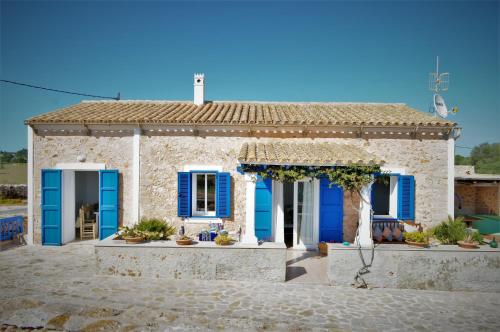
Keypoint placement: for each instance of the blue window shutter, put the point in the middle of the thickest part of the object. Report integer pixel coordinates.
(51, 207)
(223, 199)
(406, 197)
(108, 203)
(184, 194)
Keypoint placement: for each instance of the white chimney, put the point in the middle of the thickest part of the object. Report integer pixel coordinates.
(199, 89)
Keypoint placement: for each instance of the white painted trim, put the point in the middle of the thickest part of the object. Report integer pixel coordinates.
(393, 199)
(194, 187)
(451, 177)
(364, 238)
(81, 166)
(278, 213)
(68, 219)
(189, 168)
(136, 164)
(30, 235)
(194, 220)
(316, 210)
(393, 169)
(249, 236)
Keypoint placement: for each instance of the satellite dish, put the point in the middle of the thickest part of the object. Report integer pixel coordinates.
(440, 106)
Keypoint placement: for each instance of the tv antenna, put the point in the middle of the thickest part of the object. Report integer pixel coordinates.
(439, 82)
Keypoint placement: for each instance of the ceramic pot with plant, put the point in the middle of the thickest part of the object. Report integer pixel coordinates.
(417, 239)
(131, 235)
(223, 240)
(468, 242)
(184, 240)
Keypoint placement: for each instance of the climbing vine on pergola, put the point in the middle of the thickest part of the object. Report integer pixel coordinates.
(351, 178)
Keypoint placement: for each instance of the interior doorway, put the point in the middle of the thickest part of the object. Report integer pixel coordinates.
(288, 213)
(80, 205)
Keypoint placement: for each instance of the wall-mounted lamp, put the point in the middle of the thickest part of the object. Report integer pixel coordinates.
(81, 158)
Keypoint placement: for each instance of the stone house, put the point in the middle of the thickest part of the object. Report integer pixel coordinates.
(179, 160)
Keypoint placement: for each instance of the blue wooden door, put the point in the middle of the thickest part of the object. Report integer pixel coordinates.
(108, 203)
(331, 212)
(263, 209)
(51, 207)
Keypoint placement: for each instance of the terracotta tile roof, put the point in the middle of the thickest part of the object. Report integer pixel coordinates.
(313, 154)
(239, 113)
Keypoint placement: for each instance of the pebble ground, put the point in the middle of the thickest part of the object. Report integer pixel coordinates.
(56, 288)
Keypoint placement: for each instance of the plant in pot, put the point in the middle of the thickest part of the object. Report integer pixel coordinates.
(223, 240)
(131, 235)
(417, 239)
(155, 229)
(470, 241)
(184, 240)
(450, 231)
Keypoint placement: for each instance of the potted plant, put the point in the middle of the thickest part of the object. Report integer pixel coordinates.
(417, 239)
(184, 240)
(223, 240)
(470, 241)
(131, 235)
(323, 248)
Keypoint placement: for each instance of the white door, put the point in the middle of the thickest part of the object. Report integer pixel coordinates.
(303, 215)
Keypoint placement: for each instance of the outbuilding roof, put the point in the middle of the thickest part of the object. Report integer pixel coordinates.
(312, 154)
(240, 113)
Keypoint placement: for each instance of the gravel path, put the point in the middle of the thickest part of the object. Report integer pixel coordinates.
(56, 288)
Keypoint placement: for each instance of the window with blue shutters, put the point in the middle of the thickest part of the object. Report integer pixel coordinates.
(204, 194)
(394, 198)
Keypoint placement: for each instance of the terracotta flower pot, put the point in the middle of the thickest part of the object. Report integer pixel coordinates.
(184, 242)
(417, 244)
(133, 239)
(468, 245)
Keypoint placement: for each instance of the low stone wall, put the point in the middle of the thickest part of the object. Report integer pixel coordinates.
(204, 260)
(400, 266)
(13, 191)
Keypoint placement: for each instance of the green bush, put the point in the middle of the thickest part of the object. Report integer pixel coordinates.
(223, 239)
(155, 229)
(418, 237)
(450, 231)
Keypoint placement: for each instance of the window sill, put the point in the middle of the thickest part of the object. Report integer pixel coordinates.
(203, 220)
(385, 217)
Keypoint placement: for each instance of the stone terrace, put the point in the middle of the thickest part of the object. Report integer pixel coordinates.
(57, 288)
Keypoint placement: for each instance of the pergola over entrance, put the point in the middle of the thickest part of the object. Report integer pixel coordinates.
(302, 154)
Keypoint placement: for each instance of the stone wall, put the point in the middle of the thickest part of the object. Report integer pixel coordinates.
(13, 191)
(465, 202)
(487, 201)
(114, 152)
(447, 268)
(472, 199)
(204, 260)
(161, 157)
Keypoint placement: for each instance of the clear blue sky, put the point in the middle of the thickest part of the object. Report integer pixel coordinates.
(284, 51)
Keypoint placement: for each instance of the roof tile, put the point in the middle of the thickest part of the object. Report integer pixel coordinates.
(240, 113)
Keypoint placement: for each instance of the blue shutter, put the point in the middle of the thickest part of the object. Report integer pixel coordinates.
(223, 200)
(263, 209)
(406, 197)
(108, 203)
(184, 194)
(331, 212)
(51, 207)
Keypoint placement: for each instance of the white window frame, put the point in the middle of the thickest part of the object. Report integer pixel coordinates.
(194, 182)
(393, 193)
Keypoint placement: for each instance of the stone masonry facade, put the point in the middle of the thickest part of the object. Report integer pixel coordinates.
(161, 157)
(115, 152)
